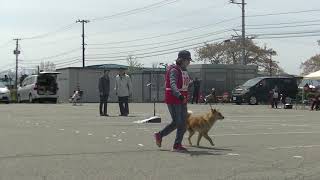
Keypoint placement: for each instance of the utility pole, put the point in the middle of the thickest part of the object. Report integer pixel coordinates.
(243, 36)
(270, 70)
(16, 52)
(83, 44)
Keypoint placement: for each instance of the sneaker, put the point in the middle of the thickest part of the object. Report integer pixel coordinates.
(158, 139)
(179, 148)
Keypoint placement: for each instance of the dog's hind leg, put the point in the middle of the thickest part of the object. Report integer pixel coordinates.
(191, 133)
(199, 138)
(205, 135)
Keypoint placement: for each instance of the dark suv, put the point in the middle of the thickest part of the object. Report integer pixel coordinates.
(257, 90)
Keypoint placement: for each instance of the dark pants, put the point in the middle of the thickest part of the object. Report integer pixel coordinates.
(178, 114)
(103, 108)
(195, 96)
(274, 103)
(123, 105)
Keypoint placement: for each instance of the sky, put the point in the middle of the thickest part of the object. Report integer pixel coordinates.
(153, 31)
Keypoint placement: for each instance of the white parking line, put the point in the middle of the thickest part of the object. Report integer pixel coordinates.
(293, 147)
(233, 154)
(298, 157)
(140, 145)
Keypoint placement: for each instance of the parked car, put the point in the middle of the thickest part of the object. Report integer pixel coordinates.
(4, 93)
(39, 88)
(257, 90)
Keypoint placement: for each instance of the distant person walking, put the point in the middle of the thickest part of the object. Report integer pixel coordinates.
(104, 89)
(196, 90)
(123, 90)
(275, 97)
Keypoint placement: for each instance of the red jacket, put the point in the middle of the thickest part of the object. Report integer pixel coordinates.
(182, 83)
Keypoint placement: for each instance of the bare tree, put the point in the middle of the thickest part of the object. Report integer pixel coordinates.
(311, 65)
(47, 66)
(229, 52)
(133, 64)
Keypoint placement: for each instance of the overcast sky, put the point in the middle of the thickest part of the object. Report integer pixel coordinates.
(49, 29)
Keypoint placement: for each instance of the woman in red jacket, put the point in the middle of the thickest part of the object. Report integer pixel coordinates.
(176, 98)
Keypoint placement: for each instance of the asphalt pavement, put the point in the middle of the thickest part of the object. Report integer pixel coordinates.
(65, 142)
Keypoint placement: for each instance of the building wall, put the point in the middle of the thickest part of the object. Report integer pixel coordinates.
(88, 79)
(63, 81)
(223, 78)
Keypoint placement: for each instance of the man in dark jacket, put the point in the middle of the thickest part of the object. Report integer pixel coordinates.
(104, 88)
(196, 90)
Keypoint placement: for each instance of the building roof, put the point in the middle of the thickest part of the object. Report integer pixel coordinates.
(107, 66)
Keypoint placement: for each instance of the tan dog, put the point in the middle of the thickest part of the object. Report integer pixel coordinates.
(202, 124)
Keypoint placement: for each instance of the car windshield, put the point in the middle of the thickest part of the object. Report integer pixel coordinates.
(251, 82)
(2, 85)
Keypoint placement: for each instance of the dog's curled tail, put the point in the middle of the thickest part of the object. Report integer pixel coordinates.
(189, 114)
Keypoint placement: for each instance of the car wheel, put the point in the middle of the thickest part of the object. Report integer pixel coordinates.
(238, 103)
(30, 99)
(253, 100)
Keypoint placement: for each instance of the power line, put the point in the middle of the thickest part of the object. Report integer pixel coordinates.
(174, 40)
(288, 26)
(56, 55)
(286, 33)
(64, 28)
(70, 63)
(169, 34)
(159, 51)
(287, 36)
(136, 10)
(158, 22)
(283, 23)
(157, 46)
(285, 13)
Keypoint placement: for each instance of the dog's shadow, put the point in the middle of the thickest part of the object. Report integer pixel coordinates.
(207, 151)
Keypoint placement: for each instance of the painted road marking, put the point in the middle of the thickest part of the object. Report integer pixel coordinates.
(293, 147)
(255, 134)
(298, 157)
(233, 154)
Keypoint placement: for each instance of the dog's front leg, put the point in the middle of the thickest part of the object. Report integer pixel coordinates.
(205, 135)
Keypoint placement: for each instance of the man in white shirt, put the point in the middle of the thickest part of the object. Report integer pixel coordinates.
(123, 90)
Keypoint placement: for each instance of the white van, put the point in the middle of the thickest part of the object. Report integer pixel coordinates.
(4, 93)
(39, 87)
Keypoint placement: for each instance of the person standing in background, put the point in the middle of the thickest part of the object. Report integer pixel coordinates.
(123, 88)
(196, 89)
(104, 89)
